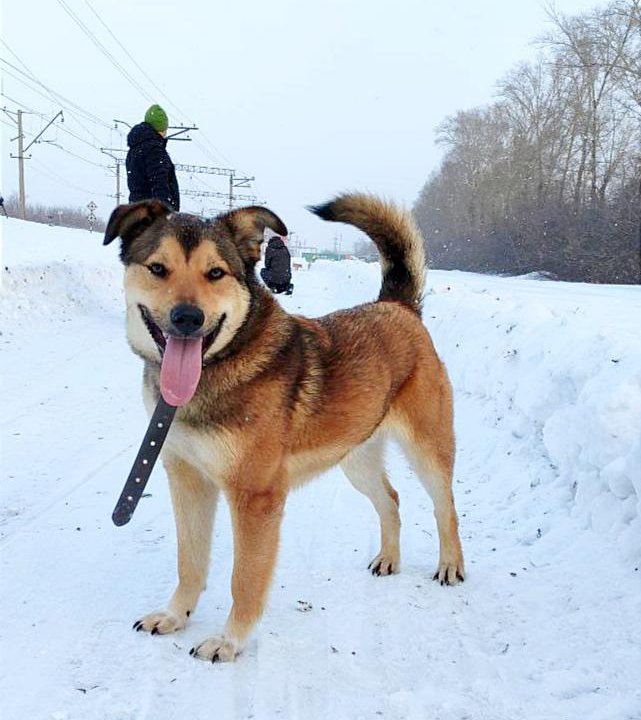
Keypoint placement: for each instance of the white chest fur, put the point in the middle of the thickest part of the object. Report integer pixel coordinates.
(211, 453)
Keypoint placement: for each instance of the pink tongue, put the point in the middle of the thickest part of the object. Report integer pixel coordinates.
(180, 371)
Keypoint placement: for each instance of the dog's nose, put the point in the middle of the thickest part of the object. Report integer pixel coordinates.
(187, 319)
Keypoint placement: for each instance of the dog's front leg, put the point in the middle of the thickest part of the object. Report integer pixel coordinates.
(194, 499)
(256, 519)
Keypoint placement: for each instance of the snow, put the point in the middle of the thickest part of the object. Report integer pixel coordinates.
(547, 380)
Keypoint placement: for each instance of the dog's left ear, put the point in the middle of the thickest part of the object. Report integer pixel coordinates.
(129, 221)
(248, 225)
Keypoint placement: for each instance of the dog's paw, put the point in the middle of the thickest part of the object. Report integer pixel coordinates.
(216, 649)
(384, 564)
(160, 623)
(449, 573)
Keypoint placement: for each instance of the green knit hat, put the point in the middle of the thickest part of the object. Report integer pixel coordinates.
(157, 118)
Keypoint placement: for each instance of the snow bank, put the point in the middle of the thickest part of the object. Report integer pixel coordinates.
(57, 271)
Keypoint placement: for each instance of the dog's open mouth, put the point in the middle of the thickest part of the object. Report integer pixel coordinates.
(181, 358)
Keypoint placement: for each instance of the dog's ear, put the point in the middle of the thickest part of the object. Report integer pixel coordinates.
(248, 225)
(129, 221)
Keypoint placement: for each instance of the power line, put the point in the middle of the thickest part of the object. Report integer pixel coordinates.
(52, 174)
(218, 152)
(133, 60)
(68, 105)
(70, 112)
(28, 79)
(104, 50)
(42, 115)
(22, 150)
(8, 124)
(73, 154)
(15, 56)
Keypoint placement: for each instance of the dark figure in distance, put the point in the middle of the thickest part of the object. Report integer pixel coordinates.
(277, 273)
(150, 171)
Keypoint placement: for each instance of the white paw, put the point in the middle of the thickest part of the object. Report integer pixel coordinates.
(161, 623)
(449, 573)
(385, 564)
(216, 649)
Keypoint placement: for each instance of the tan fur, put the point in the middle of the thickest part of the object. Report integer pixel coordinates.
(294, 398)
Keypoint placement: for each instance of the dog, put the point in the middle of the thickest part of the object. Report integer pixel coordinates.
(279, 398)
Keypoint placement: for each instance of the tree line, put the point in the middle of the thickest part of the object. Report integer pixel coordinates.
(63, 215)
(548, 177)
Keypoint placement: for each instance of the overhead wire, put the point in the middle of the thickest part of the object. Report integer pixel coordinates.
(44, 116)
(60, 99)
(219, 154)
(73, 154)
(70, 113)
(66, 130)
(53, 175)
(74, 110)
(104, 50)
(8, 123)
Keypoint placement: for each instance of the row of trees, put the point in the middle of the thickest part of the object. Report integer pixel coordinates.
(65, 216)
(548, 177)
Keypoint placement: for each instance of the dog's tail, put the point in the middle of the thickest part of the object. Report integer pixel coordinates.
(397, 238)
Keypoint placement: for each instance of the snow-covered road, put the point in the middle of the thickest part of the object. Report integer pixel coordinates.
(547, 624)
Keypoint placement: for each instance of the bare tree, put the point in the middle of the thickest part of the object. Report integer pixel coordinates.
(63, 215)
(546, 178)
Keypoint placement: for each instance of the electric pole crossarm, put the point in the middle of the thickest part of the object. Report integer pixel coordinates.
(243, 182)
(10, 114)
(42, 132)
(203, 169)
(207, 193)
(181, 130)
(195, 169)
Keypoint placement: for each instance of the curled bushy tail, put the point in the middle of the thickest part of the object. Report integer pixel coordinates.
(397, 238)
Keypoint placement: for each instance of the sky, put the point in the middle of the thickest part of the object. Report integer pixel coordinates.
(309, 98)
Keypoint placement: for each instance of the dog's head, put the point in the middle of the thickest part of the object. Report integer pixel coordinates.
(187, 278)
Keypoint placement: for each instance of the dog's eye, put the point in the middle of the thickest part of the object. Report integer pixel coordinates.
(158, 269)
(215, 274)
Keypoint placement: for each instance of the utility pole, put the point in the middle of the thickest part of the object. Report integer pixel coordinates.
(20, 156)
(22, 150)
(118, 162)
(23, 203)
(235, 182)
(252, 199)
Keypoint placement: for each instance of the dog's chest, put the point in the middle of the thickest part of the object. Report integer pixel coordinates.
(209, 451)
(212, 453)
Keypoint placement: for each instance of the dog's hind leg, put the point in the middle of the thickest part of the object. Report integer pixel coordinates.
(423, 421)
(194, 499)
(365, 469)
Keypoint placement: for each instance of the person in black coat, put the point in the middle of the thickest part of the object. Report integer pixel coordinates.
(150, 171)
(277, 273)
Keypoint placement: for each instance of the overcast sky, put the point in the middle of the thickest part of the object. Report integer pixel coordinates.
(311, 98)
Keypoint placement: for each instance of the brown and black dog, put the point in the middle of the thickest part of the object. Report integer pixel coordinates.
(279, 398)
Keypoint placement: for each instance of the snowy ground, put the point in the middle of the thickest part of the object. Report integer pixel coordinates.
(547, 380)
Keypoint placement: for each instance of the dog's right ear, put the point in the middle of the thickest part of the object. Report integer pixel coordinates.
(129, 221)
